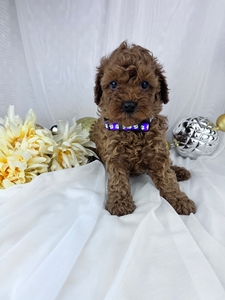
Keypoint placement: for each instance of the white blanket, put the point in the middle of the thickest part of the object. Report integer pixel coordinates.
(57, 240)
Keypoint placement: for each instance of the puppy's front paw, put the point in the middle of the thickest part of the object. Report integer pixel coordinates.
(120, 208)
(185, 207)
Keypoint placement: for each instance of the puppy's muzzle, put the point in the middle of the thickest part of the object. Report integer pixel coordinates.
(129, 106)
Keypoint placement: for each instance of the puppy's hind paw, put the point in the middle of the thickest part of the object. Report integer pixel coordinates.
(181, 173)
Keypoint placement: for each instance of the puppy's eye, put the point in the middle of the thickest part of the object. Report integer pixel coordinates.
(113, 85)
(144, 85)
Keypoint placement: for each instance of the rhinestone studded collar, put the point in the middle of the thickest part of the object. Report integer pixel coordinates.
(143, 126)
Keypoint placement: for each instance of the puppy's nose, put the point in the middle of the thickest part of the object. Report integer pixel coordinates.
(129, 106)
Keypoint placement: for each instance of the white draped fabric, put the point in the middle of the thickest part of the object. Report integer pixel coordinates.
(57, 241)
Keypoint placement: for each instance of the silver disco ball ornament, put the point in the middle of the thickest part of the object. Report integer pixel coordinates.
(195, 136)
(54, 129)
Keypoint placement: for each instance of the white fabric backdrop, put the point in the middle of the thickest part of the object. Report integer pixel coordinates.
(49, 51)
(56, 239)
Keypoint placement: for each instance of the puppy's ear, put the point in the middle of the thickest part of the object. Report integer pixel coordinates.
(164, 91)
(98, 77)
(98, 88)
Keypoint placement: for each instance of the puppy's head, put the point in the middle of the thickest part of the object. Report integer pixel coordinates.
(130, 86)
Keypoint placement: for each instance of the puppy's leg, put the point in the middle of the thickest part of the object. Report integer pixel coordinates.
(166, 182)
(119, 194)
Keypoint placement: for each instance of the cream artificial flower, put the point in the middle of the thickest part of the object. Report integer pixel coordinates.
(73, 145)
(25, 152)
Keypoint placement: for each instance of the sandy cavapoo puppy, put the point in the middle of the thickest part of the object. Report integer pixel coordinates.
(130, 135)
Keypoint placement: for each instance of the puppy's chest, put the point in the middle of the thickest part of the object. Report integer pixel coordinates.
(134, 148)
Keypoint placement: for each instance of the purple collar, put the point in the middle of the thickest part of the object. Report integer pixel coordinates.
(143, 126)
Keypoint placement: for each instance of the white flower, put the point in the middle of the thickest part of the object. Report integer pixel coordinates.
(25, 151)
(73, 145)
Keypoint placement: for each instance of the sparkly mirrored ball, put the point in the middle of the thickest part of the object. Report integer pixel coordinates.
(54, 129)
(195, 136)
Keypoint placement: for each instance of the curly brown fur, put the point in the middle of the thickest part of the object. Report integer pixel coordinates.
(126, 153)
